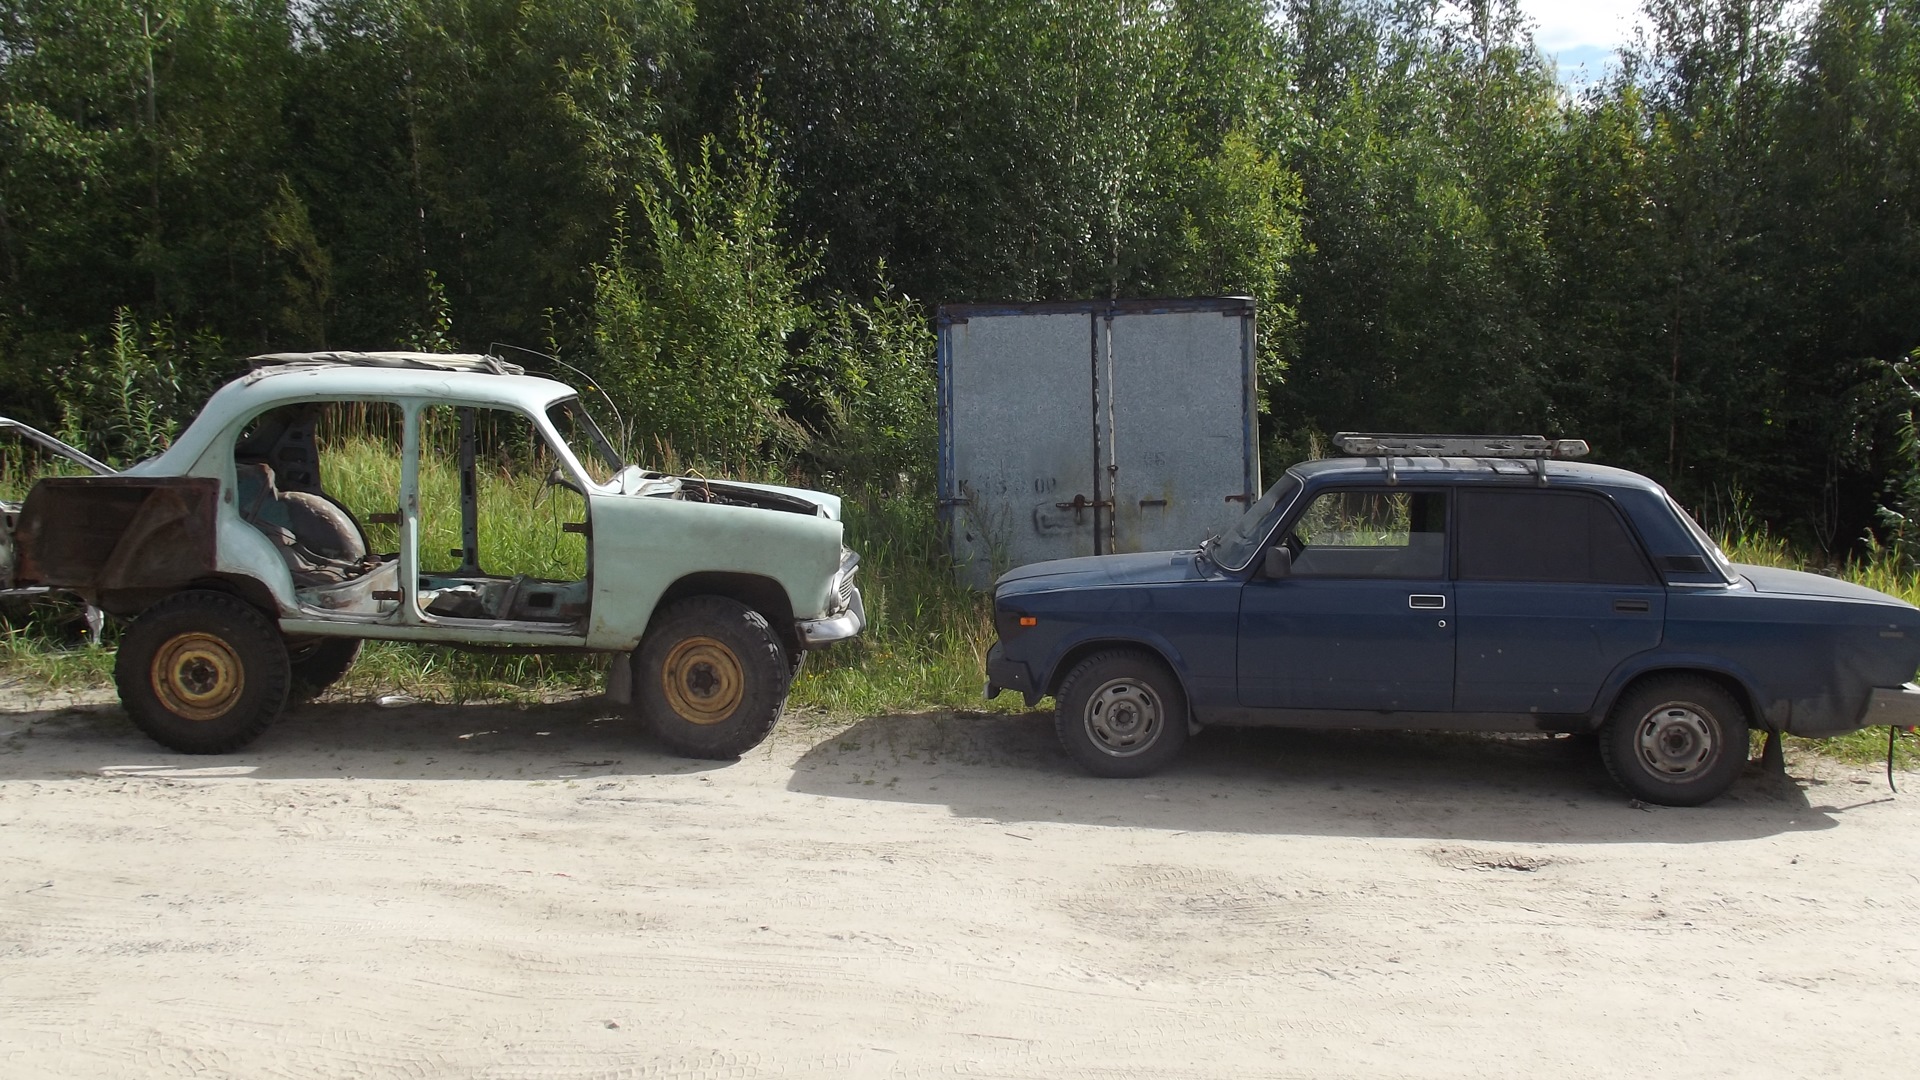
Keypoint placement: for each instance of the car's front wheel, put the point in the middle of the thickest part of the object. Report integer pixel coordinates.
(320, 663)
(1676, 740)
(711, 677)
(202, 672)
(1121, 713)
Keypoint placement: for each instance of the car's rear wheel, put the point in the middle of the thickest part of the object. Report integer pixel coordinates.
(1121, 713)
(202, 672)
(1676, 740)
(711, 677)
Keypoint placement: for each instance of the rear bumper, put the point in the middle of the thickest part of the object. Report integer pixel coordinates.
(1005, 674)
(819, 633)
(1892, 706)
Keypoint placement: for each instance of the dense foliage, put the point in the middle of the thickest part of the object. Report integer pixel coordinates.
(1708, 263)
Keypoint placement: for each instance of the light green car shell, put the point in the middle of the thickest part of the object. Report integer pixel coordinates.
(643, 540)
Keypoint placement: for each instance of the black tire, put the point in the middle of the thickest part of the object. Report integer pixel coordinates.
(319, 664)
(1675, 740)
(202, 672)
(710, 678)
(1121, 713)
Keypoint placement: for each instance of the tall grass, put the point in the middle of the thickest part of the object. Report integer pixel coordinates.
(927, 635)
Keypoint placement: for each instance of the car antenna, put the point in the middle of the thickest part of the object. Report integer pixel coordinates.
(592, 384)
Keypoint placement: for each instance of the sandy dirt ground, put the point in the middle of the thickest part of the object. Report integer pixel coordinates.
(497, 891)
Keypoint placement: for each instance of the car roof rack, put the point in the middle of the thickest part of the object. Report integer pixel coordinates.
(1537, 448)
(418, 361)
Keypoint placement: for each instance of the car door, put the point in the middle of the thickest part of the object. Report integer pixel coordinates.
(1553, 592)
(1364, 618)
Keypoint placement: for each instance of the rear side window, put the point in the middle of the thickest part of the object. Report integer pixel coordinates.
(1546, 536)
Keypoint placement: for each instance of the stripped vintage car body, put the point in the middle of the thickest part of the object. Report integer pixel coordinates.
(235, 507)
(1457, 583)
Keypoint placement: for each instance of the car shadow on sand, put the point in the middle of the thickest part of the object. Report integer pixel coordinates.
(408, 740)
(1429, 785)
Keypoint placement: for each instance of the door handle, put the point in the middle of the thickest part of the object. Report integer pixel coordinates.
(1631, 605)
(1427, 601)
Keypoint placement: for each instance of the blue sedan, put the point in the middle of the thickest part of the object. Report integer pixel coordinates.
(1487, 584)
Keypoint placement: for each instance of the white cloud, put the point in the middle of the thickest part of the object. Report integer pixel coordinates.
(1582, 37)
(1564, 25)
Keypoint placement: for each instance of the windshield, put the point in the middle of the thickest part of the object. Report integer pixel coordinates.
(1238, 545)
(576, 425)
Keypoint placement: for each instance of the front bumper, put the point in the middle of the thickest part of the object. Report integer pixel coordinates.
(819, 633)
(1005, 674)
(1892, 706)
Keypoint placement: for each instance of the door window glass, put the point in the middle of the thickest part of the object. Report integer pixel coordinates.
(1546, 536)
(1385, 534)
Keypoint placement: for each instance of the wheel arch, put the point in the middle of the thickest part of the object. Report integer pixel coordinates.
(130, 603)
(762, 594)
(1079, 649)
(1741, 689)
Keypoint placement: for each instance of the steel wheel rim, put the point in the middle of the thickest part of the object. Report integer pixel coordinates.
(704, 680)
(197, 676)
(1676, 741)
(1123, 717)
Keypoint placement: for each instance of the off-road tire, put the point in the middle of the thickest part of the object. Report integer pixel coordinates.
(710, 678)
(202, 672)
(319, 664)
(1675, 740)
(1121, 713)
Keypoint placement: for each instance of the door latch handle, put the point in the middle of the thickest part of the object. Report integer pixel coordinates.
(1426, 600)
(1631, 605)
(1080, 503)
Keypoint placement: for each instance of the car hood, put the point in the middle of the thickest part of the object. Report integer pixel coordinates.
(1145, 568)
(635, 481)
(1777, 582)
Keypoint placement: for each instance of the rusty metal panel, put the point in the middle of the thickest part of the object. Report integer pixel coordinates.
(1089, 427)
(1017, 439)
(1179, 424)
(117, 532)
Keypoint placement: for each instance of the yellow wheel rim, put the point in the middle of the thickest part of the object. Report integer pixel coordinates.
(703, 680)
(197, 676)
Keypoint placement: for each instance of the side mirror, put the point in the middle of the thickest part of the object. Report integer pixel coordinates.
(1278, 562)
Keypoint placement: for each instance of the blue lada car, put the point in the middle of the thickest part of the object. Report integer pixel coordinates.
(1445, 582)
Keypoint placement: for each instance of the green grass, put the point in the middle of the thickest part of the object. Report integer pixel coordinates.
(927, 636)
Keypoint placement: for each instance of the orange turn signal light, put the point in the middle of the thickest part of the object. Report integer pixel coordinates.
(1028, 620)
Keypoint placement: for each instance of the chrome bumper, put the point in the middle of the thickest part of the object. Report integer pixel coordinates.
(1890, 706)
(819, 633)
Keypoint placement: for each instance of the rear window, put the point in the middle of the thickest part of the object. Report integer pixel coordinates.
(1546, 536)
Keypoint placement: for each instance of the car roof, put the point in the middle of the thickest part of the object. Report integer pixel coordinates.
(1473, 470)
(287, 383)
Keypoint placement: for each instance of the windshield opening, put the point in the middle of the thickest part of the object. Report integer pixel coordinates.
(1238, 545)
(589, 443)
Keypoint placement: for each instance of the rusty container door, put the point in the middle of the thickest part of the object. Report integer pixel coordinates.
(1178, 423)
(1016, 440)
(1093, 427)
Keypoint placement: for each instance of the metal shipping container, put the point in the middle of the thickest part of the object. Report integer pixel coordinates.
(1095, 426)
